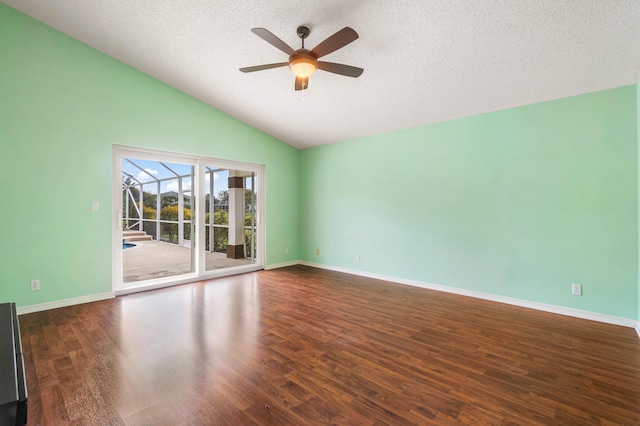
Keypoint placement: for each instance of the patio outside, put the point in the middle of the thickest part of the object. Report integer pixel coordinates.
(157, 202)
(157, 259)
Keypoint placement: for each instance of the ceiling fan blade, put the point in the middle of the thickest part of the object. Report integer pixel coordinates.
(263, 67)
(341, 69)
(302, 83)
(335, 42)
(267, 36)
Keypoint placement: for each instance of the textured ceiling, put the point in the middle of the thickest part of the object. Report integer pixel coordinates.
(424, 61)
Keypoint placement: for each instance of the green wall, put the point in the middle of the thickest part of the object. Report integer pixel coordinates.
(62, 107)
(519, 203)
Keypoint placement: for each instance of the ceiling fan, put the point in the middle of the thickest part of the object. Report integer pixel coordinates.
(304, 62)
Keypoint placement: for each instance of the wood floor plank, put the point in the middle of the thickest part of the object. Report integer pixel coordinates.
(300, 346)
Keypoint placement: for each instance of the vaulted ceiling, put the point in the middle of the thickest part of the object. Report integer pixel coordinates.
(424, 61)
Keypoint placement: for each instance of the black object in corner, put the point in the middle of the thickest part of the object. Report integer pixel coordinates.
(13, 385)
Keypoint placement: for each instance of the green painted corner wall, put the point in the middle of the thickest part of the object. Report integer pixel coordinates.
(63, 105)
(519, 203)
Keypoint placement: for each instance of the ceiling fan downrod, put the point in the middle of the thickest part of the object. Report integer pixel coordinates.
(303, 32)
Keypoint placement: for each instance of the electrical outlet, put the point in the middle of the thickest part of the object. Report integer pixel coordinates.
(95, 206)
(35, 285)
(576, 289)
(286, 251)
(357, 258)
(317, 252)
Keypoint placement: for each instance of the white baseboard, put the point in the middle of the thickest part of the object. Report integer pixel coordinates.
(593, 316)
(281, 265)
(63, 303)
(609, 319)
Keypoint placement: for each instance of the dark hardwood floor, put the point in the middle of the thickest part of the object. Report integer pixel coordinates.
(300, 346)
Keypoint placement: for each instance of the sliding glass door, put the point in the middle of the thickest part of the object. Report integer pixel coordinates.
(180, 218)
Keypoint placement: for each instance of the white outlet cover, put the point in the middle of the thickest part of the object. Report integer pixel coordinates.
(95, 206)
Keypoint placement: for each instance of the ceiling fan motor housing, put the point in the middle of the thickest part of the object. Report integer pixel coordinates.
(303, 63)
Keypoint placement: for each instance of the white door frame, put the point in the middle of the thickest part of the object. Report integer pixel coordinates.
(198, 187)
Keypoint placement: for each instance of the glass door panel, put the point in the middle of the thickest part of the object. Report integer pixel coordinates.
(157, 225)
(230, 218)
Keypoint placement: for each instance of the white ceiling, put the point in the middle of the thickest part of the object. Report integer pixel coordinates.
(424, 61)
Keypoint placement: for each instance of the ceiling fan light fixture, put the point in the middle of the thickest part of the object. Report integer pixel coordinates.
(303, 66)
